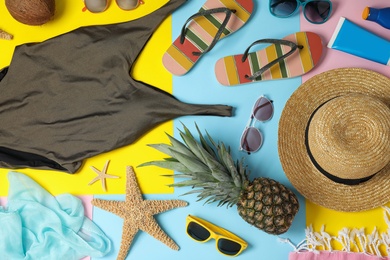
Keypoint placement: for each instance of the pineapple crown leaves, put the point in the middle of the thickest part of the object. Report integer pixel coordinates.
(221, 193)
(207, 165)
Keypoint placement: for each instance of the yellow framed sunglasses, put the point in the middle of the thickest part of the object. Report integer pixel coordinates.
(202, 231)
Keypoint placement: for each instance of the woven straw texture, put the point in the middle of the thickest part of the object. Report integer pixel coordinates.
(349, 136)
(364, 131)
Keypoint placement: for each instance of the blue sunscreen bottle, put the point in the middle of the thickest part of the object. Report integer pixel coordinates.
(380, 16)
(353, 39)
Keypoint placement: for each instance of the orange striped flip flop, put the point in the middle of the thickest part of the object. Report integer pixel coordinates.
(290, 57)
(215, 20)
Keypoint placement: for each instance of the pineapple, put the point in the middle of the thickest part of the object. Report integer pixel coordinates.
(210, 170)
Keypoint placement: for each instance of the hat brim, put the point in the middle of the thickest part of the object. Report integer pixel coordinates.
(296, 163)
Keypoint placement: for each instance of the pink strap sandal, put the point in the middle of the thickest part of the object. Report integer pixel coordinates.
(215, 20)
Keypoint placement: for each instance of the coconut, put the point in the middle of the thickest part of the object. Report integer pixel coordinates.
(31, 12)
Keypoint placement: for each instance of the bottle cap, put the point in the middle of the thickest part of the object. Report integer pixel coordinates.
(370, 14)
(366, 13)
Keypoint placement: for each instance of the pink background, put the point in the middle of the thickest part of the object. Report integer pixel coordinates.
(337, 59)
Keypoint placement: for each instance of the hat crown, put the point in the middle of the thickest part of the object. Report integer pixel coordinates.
(293, 140)
(349, 136)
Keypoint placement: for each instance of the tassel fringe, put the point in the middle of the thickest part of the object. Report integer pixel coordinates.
(351, 240)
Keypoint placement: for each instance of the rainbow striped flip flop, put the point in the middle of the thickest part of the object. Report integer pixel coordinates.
(278, 60)
(215, 20)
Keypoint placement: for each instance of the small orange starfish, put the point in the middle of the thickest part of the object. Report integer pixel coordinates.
(102, 175)
(138, 214)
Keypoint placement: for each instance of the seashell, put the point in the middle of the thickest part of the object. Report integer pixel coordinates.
(6, 36)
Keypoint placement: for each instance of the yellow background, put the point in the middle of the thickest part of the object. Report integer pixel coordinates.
(335, 221)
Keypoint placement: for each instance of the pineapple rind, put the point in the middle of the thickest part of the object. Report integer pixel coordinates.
(268, 205)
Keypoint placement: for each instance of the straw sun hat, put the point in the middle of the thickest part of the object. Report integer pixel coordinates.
(334, 139)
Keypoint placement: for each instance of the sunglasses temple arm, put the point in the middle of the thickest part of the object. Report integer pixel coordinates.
(248, 125)
(227, 233)
(250, 121)
(245, 141)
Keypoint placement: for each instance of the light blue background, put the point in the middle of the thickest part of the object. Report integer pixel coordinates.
(200, 86)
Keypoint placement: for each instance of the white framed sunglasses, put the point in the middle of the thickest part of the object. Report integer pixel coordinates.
(252, 139)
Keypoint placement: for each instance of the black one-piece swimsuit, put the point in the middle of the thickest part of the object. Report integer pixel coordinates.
(72, 97)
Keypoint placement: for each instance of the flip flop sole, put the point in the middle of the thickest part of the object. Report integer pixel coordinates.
(179, 58)
(231, 71)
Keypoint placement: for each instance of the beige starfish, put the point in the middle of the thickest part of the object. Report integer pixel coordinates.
(137, 214)
(102, 175)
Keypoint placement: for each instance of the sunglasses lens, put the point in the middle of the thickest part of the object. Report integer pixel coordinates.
(127, 4)
(228, 247)
(251, 139)
(283, 8)
(197, 232)
(263, 109)
(317, 11)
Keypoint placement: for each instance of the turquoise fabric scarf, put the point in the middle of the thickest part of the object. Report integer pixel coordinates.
(37, 225)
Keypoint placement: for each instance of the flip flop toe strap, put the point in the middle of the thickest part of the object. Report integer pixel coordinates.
(291, 44)
(217, 36)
